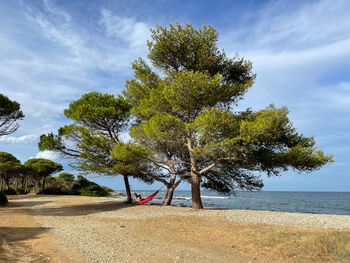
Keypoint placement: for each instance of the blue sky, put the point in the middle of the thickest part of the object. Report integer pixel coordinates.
(51, 52)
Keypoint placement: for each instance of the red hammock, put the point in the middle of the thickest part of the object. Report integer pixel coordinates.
(142, 201)
(145, 200)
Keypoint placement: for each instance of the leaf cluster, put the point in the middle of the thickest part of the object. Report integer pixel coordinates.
(10, 114)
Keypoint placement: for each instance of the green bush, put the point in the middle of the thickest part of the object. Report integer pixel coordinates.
(8, 192)
(3, 199)
(107, 189)
(84, 187)
(93, 190)
(53, 190)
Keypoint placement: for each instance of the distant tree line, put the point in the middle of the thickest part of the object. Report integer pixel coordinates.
(35, 175)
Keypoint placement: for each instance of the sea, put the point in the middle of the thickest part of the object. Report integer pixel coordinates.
(298, 202)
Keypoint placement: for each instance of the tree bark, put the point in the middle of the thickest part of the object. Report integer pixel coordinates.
(44, 184)
(23, 186)
(7, 184)
(196, 192)
(127, 189)
(169, 195)
(195, 179)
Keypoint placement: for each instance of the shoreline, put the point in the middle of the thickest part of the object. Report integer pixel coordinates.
(181, 204)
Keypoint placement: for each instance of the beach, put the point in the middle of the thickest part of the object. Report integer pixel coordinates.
(42, 228)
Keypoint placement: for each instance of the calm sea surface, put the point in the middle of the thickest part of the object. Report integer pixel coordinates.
(301, 202)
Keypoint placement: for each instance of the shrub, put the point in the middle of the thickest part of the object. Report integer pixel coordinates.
(107, 189)
(8, 192)
(84, 187)
(93, 190)
(3, 199)
(53, 190)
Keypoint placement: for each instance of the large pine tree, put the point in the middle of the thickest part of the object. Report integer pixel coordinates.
(186, 118)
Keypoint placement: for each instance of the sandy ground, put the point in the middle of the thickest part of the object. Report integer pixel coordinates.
(22, 239)
(87, 229)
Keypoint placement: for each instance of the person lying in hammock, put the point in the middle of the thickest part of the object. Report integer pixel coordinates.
(138, 197)
(145, 200)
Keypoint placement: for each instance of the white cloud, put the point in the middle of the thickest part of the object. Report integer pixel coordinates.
(295, 50)
(284, 25)
(22, 139)
(125, 39)
(56, 59)
(53, 156)
(134, 33)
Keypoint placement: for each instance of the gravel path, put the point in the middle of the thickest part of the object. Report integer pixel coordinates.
(304, 220)
(105, 230)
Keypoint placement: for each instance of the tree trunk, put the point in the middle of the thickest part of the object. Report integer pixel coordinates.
(7, 184)
(127, 189)
(37, 182)
(169, 195)
(23, 186)
(44, 184)
(196, 192)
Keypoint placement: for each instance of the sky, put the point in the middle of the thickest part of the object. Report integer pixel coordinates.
(52, 52)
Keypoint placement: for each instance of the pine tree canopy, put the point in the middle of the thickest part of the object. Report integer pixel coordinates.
(186, 117)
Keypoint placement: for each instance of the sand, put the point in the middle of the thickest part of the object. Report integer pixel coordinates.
(87, 229)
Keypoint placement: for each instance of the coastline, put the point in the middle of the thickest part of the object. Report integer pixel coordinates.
(104, 229)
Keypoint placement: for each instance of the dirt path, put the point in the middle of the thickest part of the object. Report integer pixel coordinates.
(22, 239)
(81, 223)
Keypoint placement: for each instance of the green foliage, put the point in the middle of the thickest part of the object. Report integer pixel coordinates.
(60, 185)
(84, 187)
(65, 178)
(102, 112)
(107, 189)
(56, 190)
(40, 168)
(93, 190)
(10, 167)
(3, 199)
(49, 142)
(99, 119)
(7, 157)
(186, 118)
(10, 114)
(131, 159)
(8, 192)
(43, 167)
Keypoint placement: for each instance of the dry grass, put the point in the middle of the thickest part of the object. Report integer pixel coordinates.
(265, 243)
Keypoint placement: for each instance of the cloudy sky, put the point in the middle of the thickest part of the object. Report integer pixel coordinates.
(51, 52)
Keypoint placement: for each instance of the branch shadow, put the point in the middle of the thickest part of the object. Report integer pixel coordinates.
(66, 209)
(84, 209)
(11, 248)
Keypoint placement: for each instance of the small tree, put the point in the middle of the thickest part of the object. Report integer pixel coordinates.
(99, 120)
(10, 114)
(41, 168)
(66, 180)
(10, 168)
(186, 118)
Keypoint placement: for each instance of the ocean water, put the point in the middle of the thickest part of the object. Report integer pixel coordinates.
(300, 202)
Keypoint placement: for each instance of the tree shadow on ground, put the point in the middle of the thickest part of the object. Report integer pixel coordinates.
(28, 196)
(84, 209)
(66, 209)
(12, 248)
